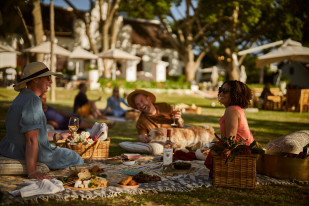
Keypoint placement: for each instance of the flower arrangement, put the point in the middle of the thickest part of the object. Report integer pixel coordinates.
(83, 137)
(230, 147)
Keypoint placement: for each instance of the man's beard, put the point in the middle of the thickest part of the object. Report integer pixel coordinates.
(146, 109)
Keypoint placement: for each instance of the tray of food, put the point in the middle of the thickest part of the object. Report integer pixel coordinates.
(86, 179)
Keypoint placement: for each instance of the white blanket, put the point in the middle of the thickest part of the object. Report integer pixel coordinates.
(41, 187)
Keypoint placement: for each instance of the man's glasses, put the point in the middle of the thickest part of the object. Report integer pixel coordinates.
(224, 90)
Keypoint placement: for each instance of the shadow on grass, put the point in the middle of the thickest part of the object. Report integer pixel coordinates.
(265, 131)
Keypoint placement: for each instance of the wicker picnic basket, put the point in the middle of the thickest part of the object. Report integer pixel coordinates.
(239, 173)
(97, 150)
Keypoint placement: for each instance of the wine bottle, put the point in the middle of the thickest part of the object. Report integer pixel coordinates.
(167, 151)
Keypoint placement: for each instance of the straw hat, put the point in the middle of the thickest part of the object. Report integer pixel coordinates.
(32, 71)
(139, 91)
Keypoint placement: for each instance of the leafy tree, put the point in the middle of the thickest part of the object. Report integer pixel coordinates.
(220, 28)
(107, 25)
(11, 12)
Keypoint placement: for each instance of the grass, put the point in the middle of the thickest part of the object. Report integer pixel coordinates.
(265, 126)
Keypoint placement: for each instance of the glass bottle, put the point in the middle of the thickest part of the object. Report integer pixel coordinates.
(167, 151)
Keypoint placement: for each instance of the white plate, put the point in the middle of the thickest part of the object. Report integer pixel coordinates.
(128, 162)
(132, 156)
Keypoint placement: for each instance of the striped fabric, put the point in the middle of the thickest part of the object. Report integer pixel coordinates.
(18, 167)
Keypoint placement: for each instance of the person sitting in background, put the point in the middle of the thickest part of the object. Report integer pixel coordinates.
(235, 96)
(265, 93)
(83, 106)
(60, 120)
(113, 102)
(153, 115)
(26, 131)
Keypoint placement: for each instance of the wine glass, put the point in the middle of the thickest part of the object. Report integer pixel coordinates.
(174, 112)
(73, 125)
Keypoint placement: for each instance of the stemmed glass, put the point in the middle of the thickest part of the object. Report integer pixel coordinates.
(174, 112)
(73, 125)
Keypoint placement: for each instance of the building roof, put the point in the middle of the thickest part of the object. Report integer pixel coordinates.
(144, 32)
(64, 20)
(148, 33)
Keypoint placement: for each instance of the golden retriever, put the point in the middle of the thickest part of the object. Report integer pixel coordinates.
(192, 137)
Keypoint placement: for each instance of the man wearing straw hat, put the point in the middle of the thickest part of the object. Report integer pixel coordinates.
(153, 115)
(26, 133)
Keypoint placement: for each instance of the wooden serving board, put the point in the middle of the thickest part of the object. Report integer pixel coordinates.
(82, 189)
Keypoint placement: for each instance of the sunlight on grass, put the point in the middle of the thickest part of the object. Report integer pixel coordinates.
(265, 126)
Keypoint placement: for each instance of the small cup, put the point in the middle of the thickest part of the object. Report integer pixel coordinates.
(130, 162)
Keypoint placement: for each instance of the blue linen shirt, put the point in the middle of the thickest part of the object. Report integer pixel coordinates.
(115, 106)
(26, 114)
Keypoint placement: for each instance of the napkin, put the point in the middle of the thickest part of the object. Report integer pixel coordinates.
(41, 187)
(100, 130)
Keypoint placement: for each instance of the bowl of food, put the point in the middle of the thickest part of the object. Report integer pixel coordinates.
(182, 165)
(128, 162)
(131, 156)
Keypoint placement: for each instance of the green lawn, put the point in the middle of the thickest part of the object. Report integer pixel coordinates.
(265, 126)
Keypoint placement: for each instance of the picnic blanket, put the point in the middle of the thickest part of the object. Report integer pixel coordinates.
(117, 119)
(176, 180)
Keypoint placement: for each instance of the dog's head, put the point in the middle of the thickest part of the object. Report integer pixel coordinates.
(157, 135)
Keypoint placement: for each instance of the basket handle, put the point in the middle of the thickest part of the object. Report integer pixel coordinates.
(68, 144)
(95, 148)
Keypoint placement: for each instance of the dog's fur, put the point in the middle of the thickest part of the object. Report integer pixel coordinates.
(192, 137)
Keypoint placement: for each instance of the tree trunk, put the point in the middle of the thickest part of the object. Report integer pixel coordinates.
(232, 71)
(190, 69)
(114, 31)
(27, 37)
(38, 26)
(92, 45)
(105, 36)
(52, 57)
(190, 64)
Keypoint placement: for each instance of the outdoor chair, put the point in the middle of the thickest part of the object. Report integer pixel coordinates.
(292, 99)
(256, 93)
(304, 100)
(274, 100)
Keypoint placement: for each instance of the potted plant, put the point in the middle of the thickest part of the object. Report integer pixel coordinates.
(93, 76)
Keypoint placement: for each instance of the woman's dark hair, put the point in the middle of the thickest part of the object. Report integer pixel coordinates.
(81, 85)
(240, 93)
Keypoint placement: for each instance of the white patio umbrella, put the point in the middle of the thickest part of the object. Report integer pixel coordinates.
(290, 50)
(80, 53)
(4, 48)
(117, 54)
(44, 48)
